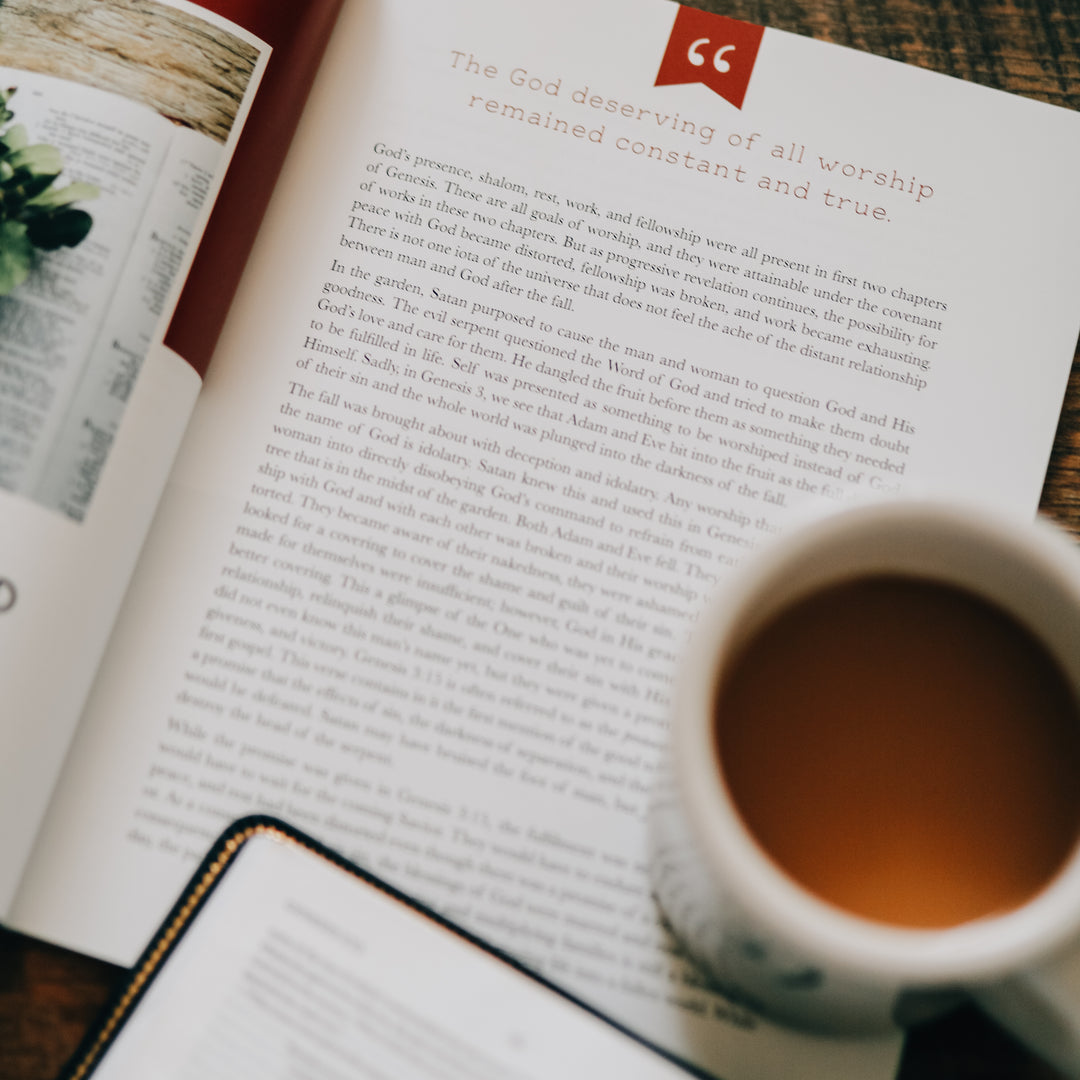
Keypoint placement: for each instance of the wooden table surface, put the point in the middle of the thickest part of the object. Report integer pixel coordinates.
(48, 996)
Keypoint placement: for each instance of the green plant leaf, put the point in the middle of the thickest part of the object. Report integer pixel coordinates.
(27, 187)
(66, 228)
(16, 254)
(34, 214)
(40, 159)
(77, 189)
(15, 138)
(5, 96)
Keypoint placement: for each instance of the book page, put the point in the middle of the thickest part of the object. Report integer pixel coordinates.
(91, 406)
(533, 354)
(145, 148)
(296, 967)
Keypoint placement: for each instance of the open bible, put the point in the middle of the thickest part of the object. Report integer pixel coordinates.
(556, 314)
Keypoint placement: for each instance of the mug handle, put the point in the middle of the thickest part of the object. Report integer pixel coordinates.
(1041, 1007)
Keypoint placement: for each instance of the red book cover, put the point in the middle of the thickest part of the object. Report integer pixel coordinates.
(297, 33)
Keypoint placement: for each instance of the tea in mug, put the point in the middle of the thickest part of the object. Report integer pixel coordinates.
(904, 750)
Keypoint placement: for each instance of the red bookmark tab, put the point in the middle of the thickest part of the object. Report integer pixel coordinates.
(711, 49)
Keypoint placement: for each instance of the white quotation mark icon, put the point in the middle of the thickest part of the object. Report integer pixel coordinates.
(718, 61)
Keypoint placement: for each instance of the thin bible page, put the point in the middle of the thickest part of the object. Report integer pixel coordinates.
(294, 963)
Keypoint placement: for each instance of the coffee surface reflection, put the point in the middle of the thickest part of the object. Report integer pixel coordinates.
(904, 750)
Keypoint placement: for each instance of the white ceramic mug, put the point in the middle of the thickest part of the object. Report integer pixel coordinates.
(772, 945)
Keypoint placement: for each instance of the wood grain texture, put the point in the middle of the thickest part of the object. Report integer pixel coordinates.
(48, 999)
(1028, 47)
(160, 56)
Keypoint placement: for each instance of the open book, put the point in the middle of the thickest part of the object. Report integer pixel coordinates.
(558, 312)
